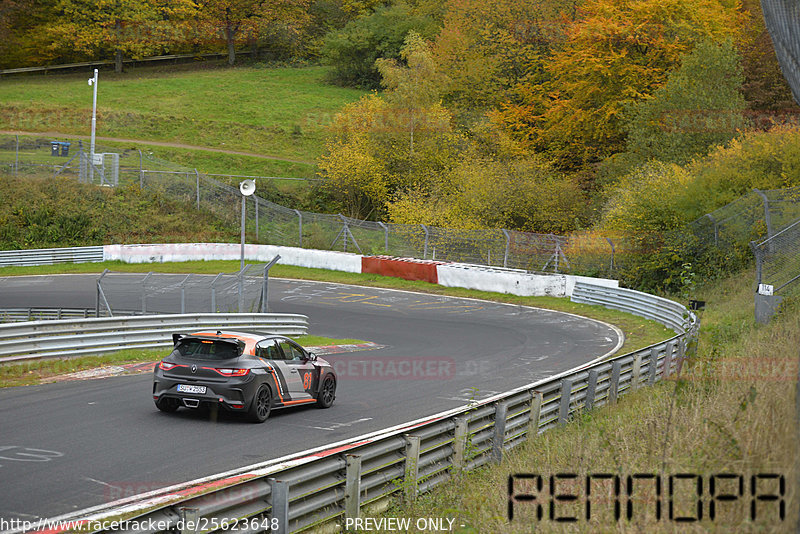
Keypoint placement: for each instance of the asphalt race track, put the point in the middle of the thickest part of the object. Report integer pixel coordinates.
(71, 445)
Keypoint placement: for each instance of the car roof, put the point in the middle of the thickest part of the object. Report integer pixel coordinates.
(249, 339)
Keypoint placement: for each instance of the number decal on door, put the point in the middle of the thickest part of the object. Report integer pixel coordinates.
(307, 379)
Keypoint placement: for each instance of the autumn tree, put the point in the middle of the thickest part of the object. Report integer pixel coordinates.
(235, 20)
(404, 138)
(353, 50)
(487, 47)
(616, 53)
(95, 28)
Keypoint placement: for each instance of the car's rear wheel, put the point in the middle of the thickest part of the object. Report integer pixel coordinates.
(168, 404)
(262, 404)
(328, 392)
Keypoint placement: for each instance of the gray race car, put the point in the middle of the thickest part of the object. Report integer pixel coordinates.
(240, 372)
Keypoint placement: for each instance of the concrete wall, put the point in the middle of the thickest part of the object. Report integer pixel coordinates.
(447, 274)
(301, 257)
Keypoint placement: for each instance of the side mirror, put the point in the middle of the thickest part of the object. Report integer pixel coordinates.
(312, 357)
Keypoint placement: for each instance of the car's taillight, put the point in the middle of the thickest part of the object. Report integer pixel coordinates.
(233, 372)
(164, 366)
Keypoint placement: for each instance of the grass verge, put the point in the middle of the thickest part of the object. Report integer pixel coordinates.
(731, 411)
(36, 372)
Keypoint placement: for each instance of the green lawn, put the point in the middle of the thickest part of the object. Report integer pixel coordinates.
(272, 111)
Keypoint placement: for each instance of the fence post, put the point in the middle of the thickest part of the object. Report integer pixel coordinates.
(183, 293)
(300, 224)
(668, 360)
(591, 390)
(241, 284)
(385, 237)
(613, 386)
(352, 489)
(190, 519)
(508, 246)
(265, 284)
(613, 252)
(425, 250)
(197, 178)
(214, 293)
(716, 229)
(144, 291)
(499, 437)
(566, 397)
(280, 505)
(16, 156)
(535, 414)
(411, 481)
(651, 378)
(681, 356)
(255, 201)
(636, 371)
(767, 215)
(460, 442)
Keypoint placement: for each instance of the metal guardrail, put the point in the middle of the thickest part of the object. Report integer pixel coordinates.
(17, 315)
(77, 337)
(300, 491)
(50, 256)
(664, 311)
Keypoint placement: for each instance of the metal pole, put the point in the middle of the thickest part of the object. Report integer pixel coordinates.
(767, 215)
(93, 83)
(508, 246)
(16, 156)
(425, 250)
(255, 201)
(214, 294)
(197, 178)
(265, 286)
(300, 219)
(241, 264)
(141, 170)
(385, 237)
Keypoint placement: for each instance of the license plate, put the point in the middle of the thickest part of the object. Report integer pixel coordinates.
(187, 388)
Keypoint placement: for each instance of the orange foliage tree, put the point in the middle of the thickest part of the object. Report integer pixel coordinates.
(616, 52)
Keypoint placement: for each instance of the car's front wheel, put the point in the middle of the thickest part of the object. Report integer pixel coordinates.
(168, 404)
(328, 392)
(262, 404)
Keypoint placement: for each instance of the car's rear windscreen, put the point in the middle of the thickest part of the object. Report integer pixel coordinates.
(203, 349)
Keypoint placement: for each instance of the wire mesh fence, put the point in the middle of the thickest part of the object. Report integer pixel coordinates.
(778, 261)
(242, 292)
(754, 216)
(271, 223)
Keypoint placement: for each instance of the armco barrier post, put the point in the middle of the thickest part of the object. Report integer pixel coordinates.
(190, 520)
(279, 496)
(651, 378)
(411, 482)
(681, 356)
(668, 360)
(535, 413)
(636, 371)
(460, 442)
(499, 438)
(352, 488)
(613, 386)
(591, 390)
(566, 397)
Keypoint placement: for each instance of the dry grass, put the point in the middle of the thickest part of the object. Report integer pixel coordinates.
(731, 411)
